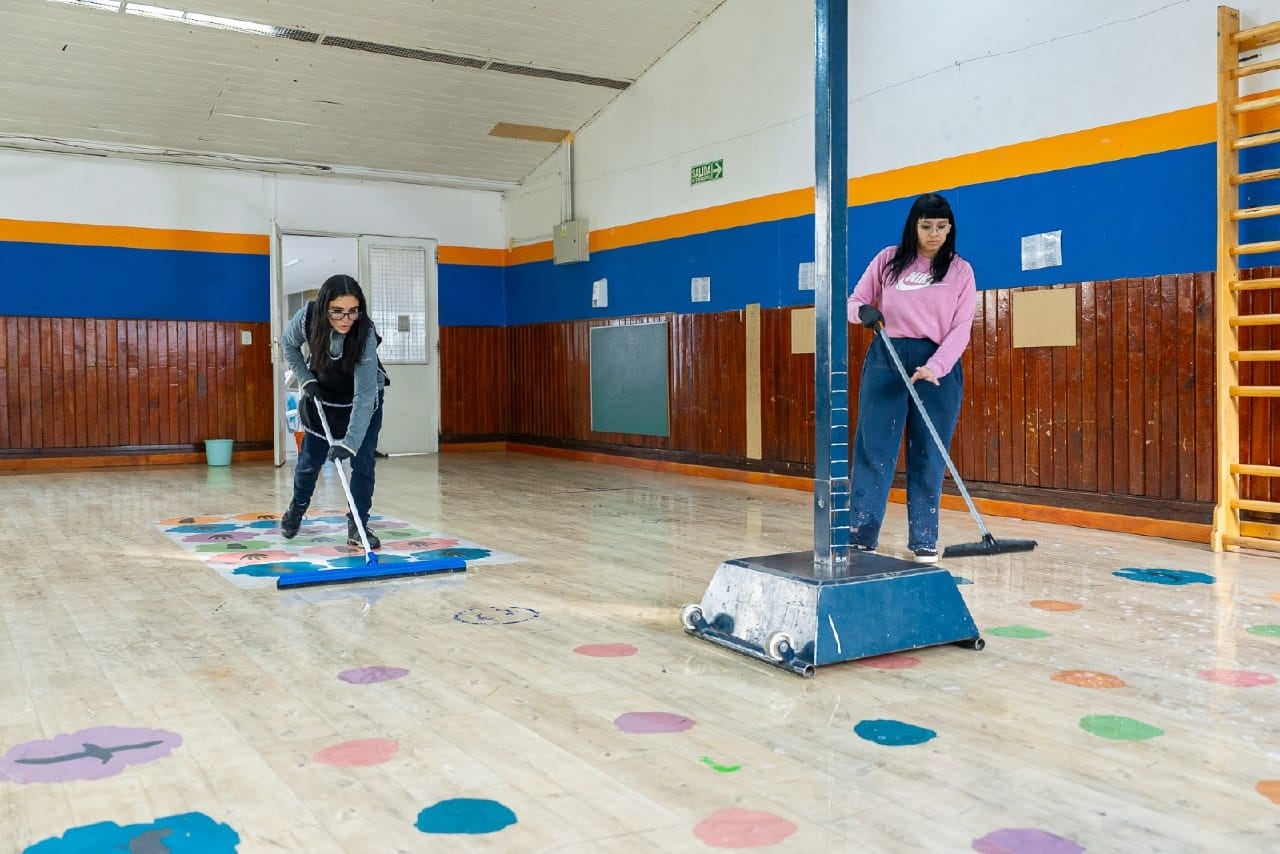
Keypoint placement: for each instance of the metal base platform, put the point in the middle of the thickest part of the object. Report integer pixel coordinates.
(779, 609)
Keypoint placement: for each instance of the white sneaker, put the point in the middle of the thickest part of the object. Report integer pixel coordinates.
(926, 555)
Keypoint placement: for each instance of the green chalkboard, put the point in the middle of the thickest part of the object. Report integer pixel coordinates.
(629, 379)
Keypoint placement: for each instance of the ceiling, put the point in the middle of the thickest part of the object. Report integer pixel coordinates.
(397, 86)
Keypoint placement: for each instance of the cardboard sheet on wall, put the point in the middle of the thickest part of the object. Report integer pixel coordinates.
(1044, 318)
(754, 416)
(803, 331)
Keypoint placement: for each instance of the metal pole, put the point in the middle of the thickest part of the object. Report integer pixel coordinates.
(831, 285)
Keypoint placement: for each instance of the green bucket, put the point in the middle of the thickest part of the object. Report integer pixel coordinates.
(218, 451)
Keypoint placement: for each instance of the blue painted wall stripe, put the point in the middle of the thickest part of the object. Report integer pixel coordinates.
(1143, 216)
(51, 280)
(471, 295)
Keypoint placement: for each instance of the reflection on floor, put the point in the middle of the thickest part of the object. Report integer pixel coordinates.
(1126, 699)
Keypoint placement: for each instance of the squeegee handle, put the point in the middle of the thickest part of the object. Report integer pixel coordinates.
(346, 487)
(928, 422)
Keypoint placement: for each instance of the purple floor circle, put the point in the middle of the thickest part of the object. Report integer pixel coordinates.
(648, 723)
(370, 675)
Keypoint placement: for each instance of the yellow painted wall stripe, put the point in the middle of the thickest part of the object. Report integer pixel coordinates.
(130, 237)
(1152, 135)
(531, 252)
(473, 256)
(1167, 132)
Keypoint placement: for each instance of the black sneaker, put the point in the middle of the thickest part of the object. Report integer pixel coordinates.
(926, 555)
(860, 548)
(291, 521)
(353, 536)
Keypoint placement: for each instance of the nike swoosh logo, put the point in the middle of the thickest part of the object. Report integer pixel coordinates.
(905, 287)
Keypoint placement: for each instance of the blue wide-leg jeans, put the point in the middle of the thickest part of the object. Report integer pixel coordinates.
(884, 410)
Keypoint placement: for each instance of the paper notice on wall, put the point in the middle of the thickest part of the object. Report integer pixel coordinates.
(1042, 250)
(700, 289)
(600, 293)
(806, 276)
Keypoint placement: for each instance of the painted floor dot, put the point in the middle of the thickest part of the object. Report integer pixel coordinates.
(1088, 679)
(87, 754)
(359, 753)
(606, 650)
(1269, 631)
(1119, 728)
(472, 816)
(1174, 577)
(370, 675)
(495, 615)
(715, 766)
(191, 831)
(1237, 678)
(648, 723)
(1055, 605)
(1269, 789)
(893, 661)
(893, 733)
(1021, 632)
(1021, 840)
(741, 828)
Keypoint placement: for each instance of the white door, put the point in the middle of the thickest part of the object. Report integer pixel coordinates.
(300, 262)
(398, 276)
(278, 394)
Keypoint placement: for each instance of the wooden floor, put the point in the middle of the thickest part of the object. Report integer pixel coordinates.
(1146, 719)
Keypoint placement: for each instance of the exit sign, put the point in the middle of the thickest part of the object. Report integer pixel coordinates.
(706, 172)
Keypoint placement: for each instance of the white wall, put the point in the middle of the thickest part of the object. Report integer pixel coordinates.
(926, 83)
(739, 88)
(119, 191)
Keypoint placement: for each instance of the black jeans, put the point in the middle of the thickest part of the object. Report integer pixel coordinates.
(312, 458)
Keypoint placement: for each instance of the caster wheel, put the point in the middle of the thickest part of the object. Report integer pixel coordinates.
(778, 646)
(979, 644)
(691, 616)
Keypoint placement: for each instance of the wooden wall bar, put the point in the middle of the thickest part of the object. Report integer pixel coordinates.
(1124, 416)
(1260, 417)
(106, 386)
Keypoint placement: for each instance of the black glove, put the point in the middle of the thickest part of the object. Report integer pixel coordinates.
(870, 316)
(310, 391)
(338, 452)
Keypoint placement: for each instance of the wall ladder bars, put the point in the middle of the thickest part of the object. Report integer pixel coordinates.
(1234, 110)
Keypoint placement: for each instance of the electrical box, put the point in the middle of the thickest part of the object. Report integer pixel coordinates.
(569, 242)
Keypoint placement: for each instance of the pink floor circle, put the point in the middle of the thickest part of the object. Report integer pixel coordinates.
(739, 828)
(362, 752)
(1237, 678)
(606, 650)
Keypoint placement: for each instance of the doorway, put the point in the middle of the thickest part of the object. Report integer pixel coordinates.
(398, 276)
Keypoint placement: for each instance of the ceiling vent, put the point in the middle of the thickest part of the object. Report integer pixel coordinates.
(404, 52)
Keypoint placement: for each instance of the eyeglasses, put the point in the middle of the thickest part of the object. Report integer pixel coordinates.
(338, 314)
(934, 228)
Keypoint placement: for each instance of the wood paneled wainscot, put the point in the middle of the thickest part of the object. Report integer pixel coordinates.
(79, 391)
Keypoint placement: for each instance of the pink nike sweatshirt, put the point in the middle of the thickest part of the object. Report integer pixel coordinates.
(915, 306)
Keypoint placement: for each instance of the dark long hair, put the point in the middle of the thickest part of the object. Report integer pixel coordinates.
(318, 335)
(928, 206)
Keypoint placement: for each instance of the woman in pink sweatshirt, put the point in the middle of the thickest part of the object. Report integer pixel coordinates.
(924, 294)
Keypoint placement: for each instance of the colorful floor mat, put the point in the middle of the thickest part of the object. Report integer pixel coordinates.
(248, 550)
